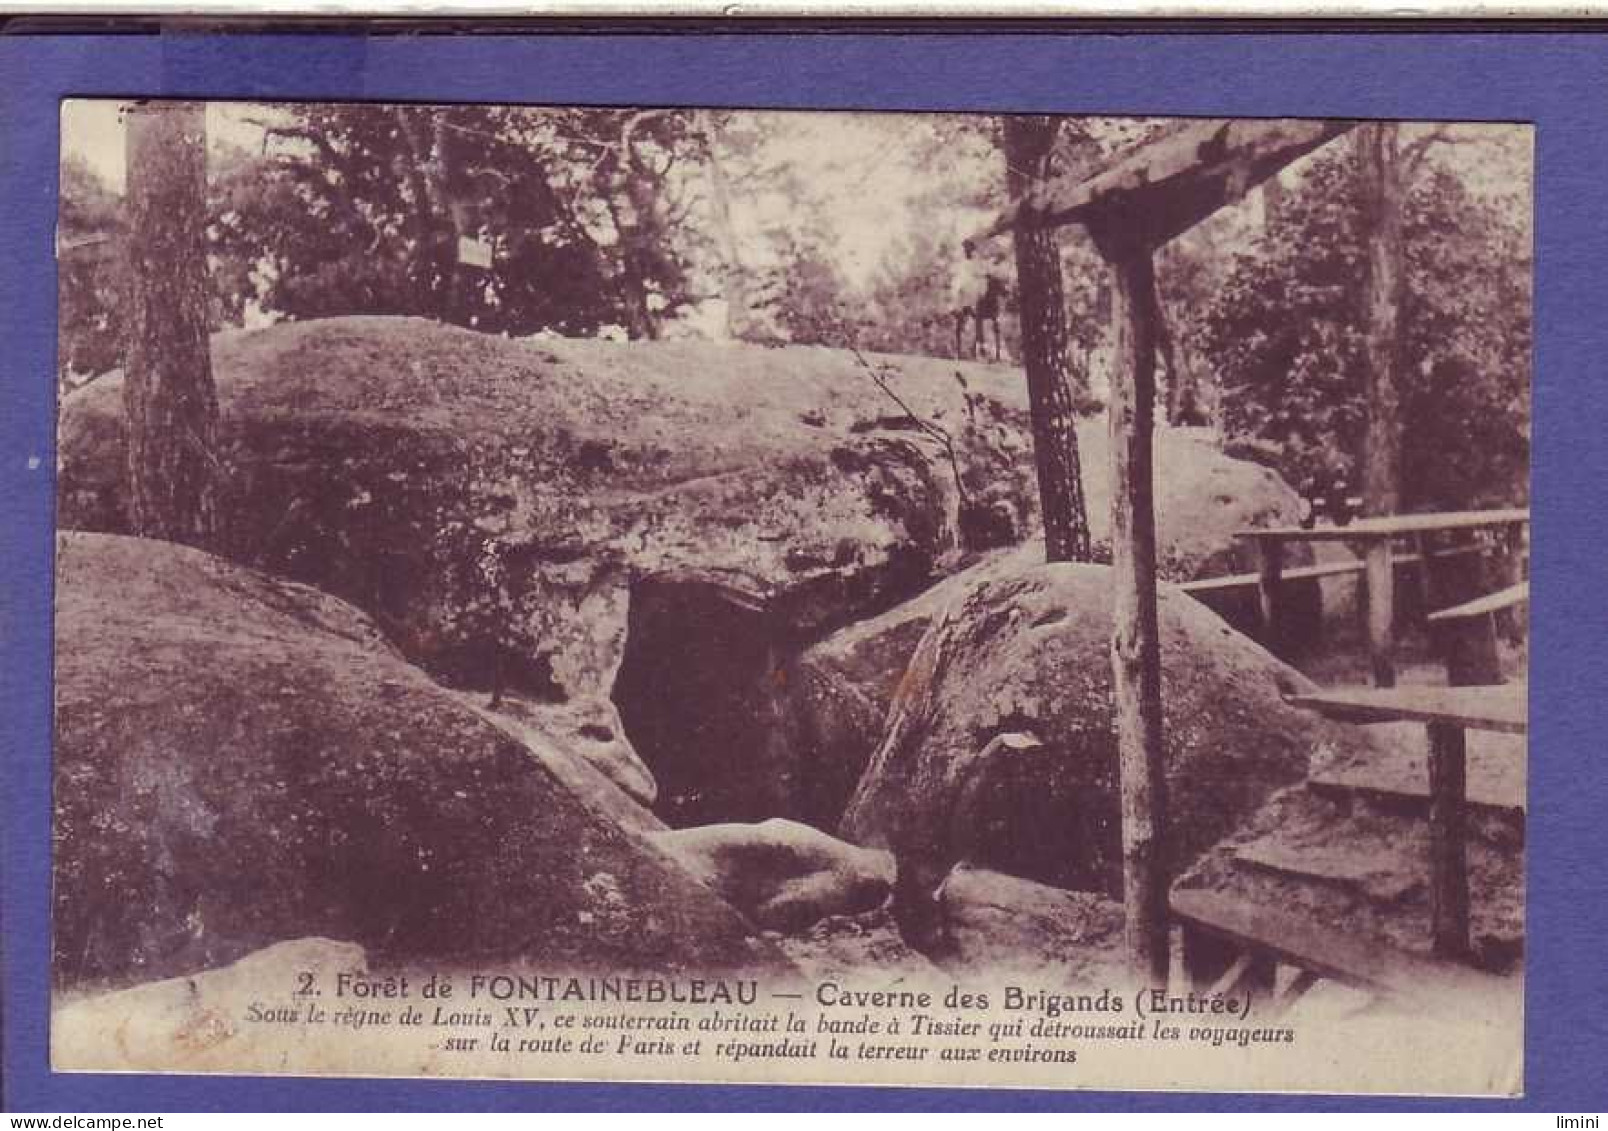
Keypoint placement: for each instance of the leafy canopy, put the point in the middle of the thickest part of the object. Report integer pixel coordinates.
(1284, 336)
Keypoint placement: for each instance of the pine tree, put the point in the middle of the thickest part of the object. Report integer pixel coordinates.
(169, 398)
(1029, 142)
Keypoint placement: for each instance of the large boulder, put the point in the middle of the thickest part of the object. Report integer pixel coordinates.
(812, 721)
(831, 700)
(241, 760)
(490, 502)
(591, 727)
(783, 875)
(862, 949)
(994, 923)
(1000, 749)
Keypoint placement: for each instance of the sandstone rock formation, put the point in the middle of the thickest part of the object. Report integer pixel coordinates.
(487, 500)
(1002, 924)
(783, 875)
(241, 760)
(1000, 749)
(491, 502)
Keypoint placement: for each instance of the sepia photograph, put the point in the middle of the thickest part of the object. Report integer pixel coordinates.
(579, 593)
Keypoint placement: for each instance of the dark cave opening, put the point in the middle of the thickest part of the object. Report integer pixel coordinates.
(693, 694)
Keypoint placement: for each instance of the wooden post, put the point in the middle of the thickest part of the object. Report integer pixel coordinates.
(1205, 957)
(1448, 852)
(1467, 645)
(1269, 592)
(1301, 981)
(1254, 972)
(1426, 579)
(1381, 612)
(1130, 208)
(1135, 639)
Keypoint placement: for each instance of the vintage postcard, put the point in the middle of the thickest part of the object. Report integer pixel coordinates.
(836, 598)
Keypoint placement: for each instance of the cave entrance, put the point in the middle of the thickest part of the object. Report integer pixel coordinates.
(695, 692)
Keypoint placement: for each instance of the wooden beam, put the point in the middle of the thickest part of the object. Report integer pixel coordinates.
(1301, 981)
(1365, 963)
(1255, 973)
(1253, 580)
(1394, 525)
(1502, 708)
(1326, 569)
(1270, 594)
(1172, 182)
(1205, 955)
(1135, 639)
(1490, 603)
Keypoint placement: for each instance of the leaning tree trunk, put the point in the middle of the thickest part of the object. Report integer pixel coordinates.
(633, 203)
(168, 395)
(735, 284)
(640, 242)
(437, 272)
(1046, 351)
(1382, 197)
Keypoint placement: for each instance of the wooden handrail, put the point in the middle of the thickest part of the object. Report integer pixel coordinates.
(1489, 603)
(1391, 526)
(1299, 573)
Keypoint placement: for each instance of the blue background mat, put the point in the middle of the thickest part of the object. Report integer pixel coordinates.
(1557, 81)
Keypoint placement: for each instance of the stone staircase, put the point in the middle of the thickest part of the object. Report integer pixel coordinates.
(1328, 885)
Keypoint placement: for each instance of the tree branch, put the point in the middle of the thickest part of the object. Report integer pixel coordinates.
(317, 140)
(937, 432)
(1412, 154)
(628, 128)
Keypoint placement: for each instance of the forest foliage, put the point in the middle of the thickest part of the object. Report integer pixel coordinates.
(642, 224)
(1282, 333)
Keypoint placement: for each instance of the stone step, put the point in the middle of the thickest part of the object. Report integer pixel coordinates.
(1381, 874)
(1397, 774)
(1363, 871)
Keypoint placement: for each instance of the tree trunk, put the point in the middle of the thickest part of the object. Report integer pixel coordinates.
(633, 205)
(435, 220)
(642, 249)
(1379, 173)
(1381, 193)
(1046, 353)
(1182, 399)
(168, 394)
(641, 322)
(735, 280)
(454, 213)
